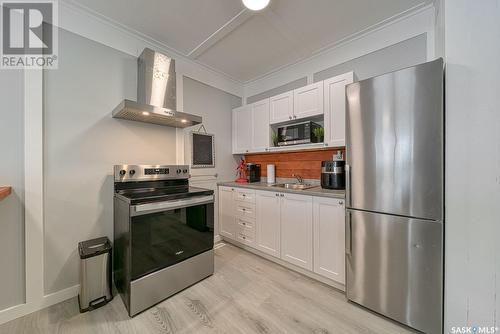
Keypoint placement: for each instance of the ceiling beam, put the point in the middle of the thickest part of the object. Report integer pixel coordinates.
(223, 31)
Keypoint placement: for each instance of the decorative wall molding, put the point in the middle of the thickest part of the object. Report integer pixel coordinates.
(92, 25)
(46, 301)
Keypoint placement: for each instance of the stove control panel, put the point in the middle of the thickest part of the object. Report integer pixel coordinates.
(157, 171)
(127, 173)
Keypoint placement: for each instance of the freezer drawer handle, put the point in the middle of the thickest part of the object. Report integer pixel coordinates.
(347, 185)
(348, 235)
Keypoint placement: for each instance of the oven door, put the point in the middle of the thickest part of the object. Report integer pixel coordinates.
(165, 233)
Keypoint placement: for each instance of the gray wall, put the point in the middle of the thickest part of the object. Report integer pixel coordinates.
(215, 106)
(472, 280)
(278, 90)
(82, 143)
(404, 54)
(12, 173)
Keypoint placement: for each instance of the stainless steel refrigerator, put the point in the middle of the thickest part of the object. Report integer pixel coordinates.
(394, 195)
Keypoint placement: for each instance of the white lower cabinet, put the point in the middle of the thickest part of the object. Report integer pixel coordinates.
(226, 212)
(329, 238)
(297, 230)
(303, 230)
(267, 237)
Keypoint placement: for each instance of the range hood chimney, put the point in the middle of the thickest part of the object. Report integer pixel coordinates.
(156, 94)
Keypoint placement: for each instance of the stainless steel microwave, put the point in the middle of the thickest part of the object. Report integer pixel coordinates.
(298, 133)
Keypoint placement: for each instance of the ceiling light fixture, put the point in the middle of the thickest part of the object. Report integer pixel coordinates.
(145, 113)
(256, 4)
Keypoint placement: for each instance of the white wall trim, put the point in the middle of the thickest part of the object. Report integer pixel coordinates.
(33, 179)
(92, 25)
(46, 301)
(33, 204)
(377, 37)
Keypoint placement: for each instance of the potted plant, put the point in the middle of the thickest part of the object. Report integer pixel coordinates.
(319, 135)
(275, 138)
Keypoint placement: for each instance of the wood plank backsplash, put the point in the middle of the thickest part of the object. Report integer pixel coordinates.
(306, 164)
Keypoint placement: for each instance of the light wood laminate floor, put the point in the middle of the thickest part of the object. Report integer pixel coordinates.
(247, 294)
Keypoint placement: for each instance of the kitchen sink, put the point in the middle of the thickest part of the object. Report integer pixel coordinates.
(296, 186)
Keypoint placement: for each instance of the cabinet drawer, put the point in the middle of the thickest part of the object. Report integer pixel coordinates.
(245, 210)
(249, 232)
(247, 223)
(245, 239)
(244, 195)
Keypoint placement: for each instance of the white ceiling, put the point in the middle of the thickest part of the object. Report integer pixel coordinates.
(243, 44)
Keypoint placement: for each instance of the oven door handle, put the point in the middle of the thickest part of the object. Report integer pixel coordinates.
(143, 209)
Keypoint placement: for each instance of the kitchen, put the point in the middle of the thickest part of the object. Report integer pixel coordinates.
(60, 142)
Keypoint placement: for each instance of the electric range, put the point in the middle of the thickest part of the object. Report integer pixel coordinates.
(163, 233)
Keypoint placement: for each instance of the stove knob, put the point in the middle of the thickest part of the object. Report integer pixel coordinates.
(123, 172)
(184, 171)
(179, 171)
(132, 172)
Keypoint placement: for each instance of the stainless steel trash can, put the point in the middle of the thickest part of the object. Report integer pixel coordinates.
(95, 273)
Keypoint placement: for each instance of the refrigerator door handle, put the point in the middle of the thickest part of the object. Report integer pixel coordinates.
(347, 186)
(348, 234)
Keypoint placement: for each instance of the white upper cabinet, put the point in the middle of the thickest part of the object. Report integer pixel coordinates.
(308, 101)
(297, 230)
(281, 108)
(334, 91)
(329, 238)
(242, 130)
(252, 123)
(251, 128)
(260, 125)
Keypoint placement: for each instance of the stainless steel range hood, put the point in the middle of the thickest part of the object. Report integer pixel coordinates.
(156, 94)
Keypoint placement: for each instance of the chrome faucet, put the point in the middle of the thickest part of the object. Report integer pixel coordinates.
(299, 178)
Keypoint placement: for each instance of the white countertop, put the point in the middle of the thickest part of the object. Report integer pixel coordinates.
(315, 191)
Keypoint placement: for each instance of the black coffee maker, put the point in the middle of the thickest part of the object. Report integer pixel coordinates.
(333, 173)
(253, 172)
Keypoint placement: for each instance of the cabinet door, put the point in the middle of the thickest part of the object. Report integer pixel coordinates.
(281, 107)
(267, 236)
(329, 238)
(260, 126)
(296, 230)
(308, 101)
(226, 213)
(335, 108)
(242, 129)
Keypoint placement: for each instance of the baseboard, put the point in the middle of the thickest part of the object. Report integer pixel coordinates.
(217, 239)
(287, 265)
(20, 310)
